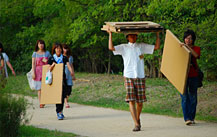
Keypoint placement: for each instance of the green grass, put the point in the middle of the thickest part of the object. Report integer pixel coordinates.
(19, 85)
(108, 91)
(30, 131)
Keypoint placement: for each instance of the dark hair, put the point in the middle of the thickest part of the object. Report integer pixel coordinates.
(190, 32)
(68, 53)
(131, 34)
(41, 42)
(56, 45)
(1, 47)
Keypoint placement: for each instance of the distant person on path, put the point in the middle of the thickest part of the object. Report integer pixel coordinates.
(69, 78)
(189, 98)
(39, 58)
(59, 58)
(132, 54)
(6, 61)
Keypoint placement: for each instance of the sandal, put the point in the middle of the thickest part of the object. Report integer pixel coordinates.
(139, 123)
(42, 105)
(136, 128)
(67, 106)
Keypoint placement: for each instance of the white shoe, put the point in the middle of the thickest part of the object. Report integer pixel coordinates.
(188, 122)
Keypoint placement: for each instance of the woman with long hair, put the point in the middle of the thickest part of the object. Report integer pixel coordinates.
(39, 58)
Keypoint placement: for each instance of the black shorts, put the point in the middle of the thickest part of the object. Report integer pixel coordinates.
(68, 90)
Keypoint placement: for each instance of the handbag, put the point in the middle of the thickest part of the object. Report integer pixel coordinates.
(49, 78)
(200, 78)
(32, 83)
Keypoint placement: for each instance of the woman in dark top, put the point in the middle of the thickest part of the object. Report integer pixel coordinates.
(189, 98)
(58, 58)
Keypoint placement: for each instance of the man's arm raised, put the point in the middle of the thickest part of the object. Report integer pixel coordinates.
(111, 46)
(157, 44)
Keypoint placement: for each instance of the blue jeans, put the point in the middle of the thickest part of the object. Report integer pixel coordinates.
(189, 99)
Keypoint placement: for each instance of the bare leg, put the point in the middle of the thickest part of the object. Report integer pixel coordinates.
(39, 96)
(66, 101)
(133, 112)
(139, 110)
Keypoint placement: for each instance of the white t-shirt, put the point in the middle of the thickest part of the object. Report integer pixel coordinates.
(133, 65)
(6, 59)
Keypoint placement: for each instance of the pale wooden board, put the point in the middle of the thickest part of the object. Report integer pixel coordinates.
(52, 94)
(175, 62)
(132, 23)
(127, 27)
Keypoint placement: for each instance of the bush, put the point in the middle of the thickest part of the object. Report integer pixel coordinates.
(12, 116)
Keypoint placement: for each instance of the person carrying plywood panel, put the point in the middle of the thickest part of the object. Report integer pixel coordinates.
(189, 98)
(134, 75)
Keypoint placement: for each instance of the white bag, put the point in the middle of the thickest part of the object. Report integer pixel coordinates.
(48, 79)
(32, 83)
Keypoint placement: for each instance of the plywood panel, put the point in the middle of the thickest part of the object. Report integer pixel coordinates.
(127, 27)
(175, 62)
(52, 94)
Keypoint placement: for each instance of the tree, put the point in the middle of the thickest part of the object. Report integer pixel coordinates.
(78, 24)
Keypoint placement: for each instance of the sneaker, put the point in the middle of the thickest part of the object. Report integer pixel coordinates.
(60, 116)
(188, 122)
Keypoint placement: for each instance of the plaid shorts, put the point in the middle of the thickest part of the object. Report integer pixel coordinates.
(135, 89)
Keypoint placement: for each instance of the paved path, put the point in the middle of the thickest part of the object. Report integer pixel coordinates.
(101, 122)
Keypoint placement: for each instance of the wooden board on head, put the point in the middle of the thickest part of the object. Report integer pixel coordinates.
(132, 27)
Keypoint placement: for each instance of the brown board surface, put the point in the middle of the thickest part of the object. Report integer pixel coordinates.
(52, 94)
(175, 62)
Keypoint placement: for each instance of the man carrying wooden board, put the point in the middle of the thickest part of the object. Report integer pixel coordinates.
(132, 54)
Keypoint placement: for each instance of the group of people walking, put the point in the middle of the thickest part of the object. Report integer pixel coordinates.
(134, 75)
(61, 53)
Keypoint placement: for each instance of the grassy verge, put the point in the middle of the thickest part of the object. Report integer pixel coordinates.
(108, 91)
(30, 131)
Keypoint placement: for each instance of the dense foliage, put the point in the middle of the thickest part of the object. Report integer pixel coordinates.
(12, 116)
(78, 23)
